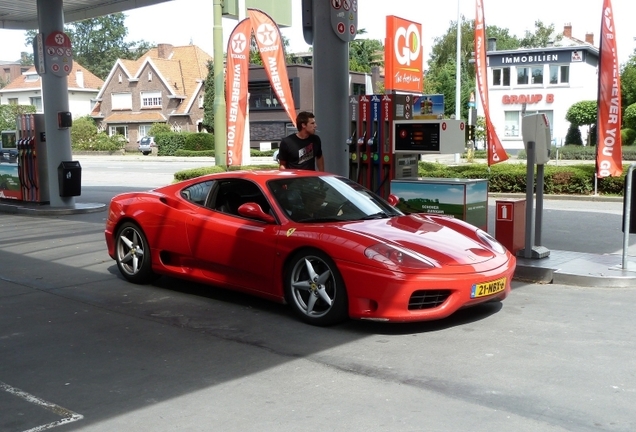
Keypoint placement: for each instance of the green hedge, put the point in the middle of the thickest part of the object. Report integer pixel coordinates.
(199, 142)
(198, 172)
(511, 178)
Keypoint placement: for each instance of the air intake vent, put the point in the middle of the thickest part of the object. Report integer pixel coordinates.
(428, 299)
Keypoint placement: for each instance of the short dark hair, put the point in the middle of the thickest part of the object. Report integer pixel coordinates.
(303, 118)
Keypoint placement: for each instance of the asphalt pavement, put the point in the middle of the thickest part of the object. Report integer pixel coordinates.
(82, 349)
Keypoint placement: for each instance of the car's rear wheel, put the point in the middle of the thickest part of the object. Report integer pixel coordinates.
(133, 254)
(315, 289)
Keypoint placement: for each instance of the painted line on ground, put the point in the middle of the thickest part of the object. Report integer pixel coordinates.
(68, 416)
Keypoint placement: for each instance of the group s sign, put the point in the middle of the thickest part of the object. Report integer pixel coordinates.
(404, 58)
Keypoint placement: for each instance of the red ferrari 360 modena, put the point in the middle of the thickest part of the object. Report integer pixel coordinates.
(319, 242)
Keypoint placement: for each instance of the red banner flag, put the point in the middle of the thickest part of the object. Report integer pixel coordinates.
(496, 152)
(236, 84)
(609, 154)
(270, 45)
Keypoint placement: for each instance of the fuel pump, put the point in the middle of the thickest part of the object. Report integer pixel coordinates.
(364, 117)
(32, 158)
(372, 143)
(352, 144)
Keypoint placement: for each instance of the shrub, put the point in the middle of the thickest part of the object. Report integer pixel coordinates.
(199, 142)
(169, 143)
(628, 136)
(159, 128)
(573, 136)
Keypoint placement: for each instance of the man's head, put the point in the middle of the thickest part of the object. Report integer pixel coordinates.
(306, 123)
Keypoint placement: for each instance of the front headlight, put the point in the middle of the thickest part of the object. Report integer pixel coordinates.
(490, 241)
(395, 256)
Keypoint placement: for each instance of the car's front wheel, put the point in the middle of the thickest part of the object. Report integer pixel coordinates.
(315, 289)
(133, 254)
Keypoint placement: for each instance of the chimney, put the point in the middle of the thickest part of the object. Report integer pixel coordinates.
(492, 44)
(589, 38)
(164, 51)
(79, 78)
(567, 30)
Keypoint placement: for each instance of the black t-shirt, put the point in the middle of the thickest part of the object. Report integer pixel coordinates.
(300, 153)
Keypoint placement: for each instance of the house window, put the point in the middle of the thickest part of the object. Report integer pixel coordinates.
(262, 96)
(150, 99)
(201, 99)
(120, 78)
(559, 74)
(530, 75)
(37, 103)
(13, 101)
(358, 89)
(121, 101)
(143, 130)
(149, 75)
(118, 130)
(511, 128)
(501, 77)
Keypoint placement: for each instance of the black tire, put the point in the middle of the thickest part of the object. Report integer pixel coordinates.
(132, 253)
(146, 153)
(315, 290)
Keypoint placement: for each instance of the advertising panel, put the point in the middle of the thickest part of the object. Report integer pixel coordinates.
(404, 58)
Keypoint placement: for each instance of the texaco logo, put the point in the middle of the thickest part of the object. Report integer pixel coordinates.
(239, 42)
(266, 34)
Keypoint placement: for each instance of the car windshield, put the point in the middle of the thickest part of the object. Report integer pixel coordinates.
(145, 140)
(328, 199)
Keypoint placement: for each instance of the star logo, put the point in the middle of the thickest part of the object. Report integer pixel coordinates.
(266, 34)
(239, 42)
(59, 39)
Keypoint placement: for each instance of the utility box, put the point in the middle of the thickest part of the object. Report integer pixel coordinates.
(510, 224)
(69, 177)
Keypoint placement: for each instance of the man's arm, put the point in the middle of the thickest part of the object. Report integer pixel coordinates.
(320, 163)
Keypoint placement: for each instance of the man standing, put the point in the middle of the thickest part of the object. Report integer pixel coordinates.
(302, 150)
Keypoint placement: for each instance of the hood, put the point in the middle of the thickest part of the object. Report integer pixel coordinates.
(423, 235)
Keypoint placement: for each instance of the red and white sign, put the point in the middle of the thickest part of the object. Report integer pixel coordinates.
(504, 212)
(59, 53)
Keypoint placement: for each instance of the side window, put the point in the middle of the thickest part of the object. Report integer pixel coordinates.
(236, 192)
(198, 192)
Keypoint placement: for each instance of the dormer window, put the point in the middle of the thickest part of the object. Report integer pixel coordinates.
(149, 76)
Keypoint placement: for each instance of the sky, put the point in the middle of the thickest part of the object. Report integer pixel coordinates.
(181, 22)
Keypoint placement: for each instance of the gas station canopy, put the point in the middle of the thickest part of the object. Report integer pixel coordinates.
(22, 14)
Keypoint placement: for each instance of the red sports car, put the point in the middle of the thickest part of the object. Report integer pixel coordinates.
(319, 242)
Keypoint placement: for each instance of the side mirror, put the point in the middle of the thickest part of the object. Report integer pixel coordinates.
(254, 211)
(393, 200)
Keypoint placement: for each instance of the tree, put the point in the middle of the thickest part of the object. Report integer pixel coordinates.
(629, 118)
(628, 81)
(365, 53)
(99, 42)
(543, 36)
(208, 99)
(583, 113)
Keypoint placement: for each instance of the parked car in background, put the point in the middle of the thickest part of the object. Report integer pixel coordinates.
(146, 144)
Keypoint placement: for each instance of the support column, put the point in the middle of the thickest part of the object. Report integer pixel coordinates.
(54, 100)
(331, 89)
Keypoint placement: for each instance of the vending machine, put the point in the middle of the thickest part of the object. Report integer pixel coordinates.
(9, 178)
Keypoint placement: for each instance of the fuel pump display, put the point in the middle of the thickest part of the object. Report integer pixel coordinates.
(9, 176)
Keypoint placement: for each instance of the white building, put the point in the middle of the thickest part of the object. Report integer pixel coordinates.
(545, 80)
(26, 89)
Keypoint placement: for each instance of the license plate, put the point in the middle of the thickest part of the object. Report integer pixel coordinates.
(488, 288)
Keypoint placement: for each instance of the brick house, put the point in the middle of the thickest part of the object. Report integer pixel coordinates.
(26, 89)
(165, 85)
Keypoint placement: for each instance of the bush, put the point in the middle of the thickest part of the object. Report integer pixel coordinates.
(159, 128)
(573, 136)
(628, 136)
(101, 142)
(83, 131)
(199, 142)
(169, 143)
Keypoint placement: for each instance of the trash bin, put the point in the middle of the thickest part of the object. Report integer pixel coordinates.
(510, 224)
(69, 177)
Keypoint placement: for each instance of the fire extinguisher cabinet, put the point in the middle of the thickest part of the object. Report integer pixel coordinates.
(510, 223)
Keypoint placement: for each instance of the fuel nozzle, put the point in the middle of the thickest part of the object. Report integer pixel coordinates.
(363, 139)
(352, 139)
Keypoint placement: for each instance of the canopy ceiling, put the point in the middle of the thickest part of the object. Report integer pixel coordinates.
(23, 15)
